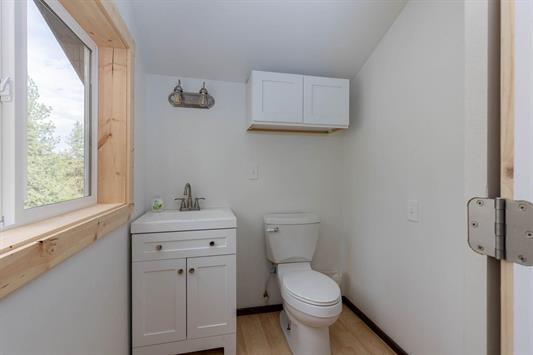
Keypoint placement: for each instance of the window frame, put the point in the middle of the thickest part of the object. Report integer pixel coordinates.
(15, 152)
(28, 251)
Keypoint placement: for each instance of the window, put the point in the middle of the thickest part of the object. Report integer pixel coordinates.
(48, 117)
(21, 258)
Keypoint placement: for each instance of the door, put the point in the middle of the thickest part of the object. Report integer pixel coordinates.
(159, 303)
(277, 97)
(516, 165)
(211, 299)
(326, 101)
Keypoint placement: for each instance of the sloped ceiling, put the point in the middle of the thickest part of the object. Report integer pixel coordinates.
(225, 39)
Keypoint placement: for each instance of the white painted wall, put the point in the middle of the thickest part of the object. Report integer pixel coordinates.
(81, 306)
(212, 150)
(410, 140)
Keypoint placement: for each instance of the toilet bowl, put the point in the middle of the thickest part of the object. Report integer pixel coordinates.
(311, 303)
(311, 300)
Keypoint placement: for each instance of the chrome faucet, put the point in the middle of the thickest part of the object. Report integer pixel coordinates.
(186, 203)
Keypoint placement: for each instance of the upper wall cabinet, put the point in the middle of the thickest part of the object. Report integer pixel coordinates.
(289, 102)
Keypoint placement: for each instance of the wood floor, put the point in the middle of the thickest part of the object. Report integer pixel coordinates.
(260, 334)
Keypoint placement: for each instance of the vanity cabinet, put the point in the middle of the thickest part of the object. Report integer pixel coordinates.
(291, 102)
(183, 290)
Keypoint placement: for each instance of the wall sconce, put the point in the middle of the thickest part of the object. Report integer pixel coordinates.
(202, 99)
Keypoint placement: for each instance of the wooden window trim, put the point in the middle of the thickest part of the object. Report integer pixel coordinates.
(507, 155)
(30, 250)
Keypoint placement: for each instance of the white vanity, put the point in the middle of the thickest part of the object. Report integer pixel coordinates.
(184, 282)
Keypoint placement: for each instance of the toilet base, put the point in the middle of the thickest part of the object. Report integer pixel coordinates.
(302, 339)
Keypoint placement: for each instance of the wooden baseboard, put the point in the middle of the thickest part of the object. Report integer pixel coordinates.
(259, 309)
(375, 328)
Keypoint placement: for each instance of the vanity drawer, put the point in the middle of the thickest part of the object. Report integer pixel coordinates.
(174, 245)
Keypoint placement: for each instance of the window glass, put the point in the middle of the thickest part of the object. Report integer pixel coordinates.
(58, 110)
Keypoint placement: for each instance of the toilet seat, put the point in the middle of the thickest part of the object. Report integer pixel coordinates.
(312, 287)
(311, 293)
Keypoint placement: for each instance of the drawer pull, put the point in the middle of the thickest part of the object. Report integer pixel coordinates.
(191, 270)
(158, 247)
(180, 271)
(211, 244)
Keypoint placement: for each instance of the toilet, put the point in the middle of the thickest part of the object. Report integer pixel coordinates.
(311, 300)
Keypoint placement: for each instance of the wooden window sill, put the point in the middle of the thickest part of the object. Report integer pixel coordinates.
(30, 250)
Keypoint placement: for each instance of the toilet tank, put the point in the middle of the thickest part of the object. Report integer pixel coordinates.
(291, 237)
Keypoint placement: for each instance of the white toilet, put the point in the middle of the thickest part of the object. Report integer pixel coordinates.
(311, 300)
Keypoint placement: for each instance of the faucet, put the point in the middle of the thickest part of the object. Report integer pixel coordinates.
(186, 203)
(187, 192)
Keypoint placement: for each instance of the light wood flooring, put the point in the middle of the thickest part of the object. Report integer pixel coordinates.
(260, 334)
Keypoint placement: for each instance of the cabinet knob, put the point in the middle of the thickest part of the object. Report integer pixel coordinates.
(180, 271)
(191, 270)
(211, 243)
(158, 247)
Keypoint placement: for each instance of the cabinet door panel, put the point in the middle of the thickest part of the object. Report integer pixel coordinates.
(211, 299)
(277, 97)
(159, 301)
(326, 101)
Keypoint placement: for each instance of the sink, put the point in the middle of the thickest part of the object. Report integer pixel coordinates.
(176, 221)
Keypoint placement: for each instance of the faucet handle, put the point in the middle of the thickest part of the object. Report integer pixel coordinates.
(182, 203)
(197, 202)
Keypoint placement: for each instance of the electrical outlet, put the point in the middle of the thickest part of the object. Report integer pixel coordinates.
(413, 212)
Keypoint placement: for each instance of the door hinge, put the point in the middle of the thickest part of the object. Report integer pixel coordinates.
(502, 229)
(5, 89)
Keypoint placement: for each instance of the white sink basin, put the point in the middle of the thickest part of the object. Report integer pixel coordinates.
(176, 221)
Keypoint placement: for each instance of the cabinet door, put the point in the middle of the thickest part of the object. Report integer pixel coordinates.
(326, 101)
(159, 301)
(211, 299)
(277, 97)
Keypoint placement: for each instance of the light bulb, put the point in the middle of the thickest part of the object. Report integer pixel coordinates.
(204, 100)
(176, 97)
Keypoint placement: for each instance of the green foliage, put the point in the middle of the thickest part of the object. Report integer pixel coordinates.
(52, 176)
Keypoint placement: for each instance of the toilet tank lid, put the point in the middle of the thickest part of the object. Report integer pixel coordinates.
(292, 218)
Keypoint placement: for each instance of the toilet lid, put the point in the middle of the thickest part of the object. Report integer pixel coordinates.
(312, 287)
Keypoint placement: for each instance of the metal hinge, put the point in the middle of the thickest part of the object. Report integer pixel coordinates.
(5, 89)
(502, 229)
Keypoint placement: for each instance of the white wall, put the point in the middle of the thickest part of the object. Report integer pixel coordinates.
(407, 142)
(81, 306)
(212, 150)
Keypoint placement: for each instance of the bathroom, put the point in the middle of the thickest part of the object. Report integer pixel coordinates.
(389, 189)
